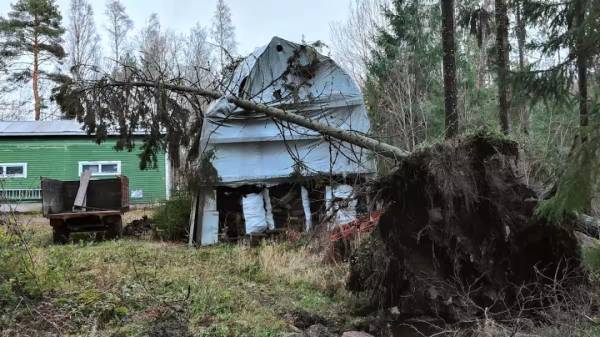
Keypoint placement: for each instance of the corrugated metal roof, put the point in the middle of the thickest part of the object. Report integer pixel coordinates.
(67, 127)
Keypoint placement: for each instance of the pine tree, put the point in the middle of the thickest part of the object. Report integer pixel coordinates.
(31, 39)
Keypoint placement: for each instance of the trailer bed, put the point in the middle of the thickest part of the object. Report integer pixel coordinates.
(85, 206)
(70, 215)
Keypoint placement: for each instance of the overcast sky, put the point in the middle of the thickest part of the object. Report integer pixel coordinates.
(256, 21)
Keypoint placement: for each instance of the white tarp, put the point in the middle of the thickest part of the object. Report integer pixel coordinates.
(341, 202)
(306, 207)
(252, 148)
(258, 213)
(255, 216)
(268, 209)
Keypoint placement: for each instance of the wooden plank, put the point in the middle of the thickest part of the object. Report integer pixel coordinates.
(71, 215)
(84, 181)
(192, 232)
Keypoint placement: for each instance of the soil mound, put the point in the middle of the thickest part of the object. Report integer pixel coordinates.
(459, 236)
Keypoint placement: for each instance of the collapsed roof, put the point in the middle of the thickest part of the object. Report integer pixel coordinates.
(251, 147)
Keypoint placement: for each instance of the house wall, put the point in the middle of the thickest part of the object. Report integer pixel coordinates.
(59, 157)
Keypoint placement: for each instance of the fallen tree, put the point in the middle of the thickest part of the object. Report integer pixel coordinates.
(69, 95)
(459, 237)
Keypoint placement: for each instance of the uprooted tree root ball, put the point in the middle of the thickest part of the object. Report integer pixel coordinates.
(459, 237)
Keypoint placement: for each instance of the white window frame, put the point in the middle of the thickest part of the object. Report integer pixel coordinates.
(22, 175)
(100, 163)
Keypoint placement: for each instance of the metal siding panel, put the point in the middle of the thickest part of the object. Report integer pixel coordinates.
(58, 158)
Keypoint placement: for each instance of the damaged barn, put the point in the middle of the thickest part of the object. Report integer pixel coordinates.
(268, 174)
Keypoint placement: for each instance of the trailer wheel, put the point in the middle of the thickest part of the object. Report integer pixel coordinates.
(60, 233)
(114, 226)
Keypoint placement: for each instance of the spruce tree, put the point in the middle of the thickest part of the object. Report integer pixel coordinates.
(502, 62)
(571, 33)
(404, 86)
(31, 37)
(449, 67)
(571, 29)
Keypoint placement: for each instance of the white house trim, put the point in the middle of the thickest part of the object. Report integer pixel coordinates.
(100, 163)
(168, 182)
(3, 174)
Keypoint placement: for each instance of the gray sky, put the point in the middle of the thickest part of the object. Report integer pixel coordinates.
(256, 21)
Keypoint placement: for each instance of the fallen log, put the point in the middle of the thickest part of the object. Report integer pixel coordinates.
(353, 138)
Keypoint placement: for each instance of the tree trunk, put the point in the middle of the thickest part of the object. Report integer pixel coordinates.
(449, 68)
(483, 57)
(35, 80)
(502, 49)
(581, 63)
(521, 36)
(354, 138)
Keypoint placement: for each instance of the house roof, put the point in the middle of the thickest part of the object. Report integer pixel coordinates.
(299, 79)
(67, 127)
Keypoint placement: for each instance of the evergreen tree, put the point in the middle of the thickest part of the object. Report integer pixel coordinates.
(449, 67)
(570, 26)
(403, 86)
(502, 62)
(31, 38)
(571, 33)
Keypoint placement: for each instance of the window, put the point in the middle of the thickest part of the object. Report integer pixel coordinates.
(13, 170)
(100, 168)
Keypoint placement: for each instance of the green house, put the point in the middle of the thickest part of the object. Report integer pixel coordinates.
(62, 150)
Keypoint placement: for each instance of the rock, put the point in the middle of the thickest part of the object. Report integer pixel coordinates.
(317, 330)
(586, 241)
(303, 319)
(356, 334)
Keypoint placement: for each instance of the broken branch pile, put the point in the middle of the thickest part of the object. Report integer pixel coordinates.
(459, 237)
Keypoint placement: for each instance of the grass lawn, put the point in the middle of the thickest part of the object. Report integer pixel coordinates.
(133, 287)
(143, 288)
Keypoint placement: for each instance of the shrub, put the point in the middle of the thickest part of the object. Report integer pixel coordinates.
(172, 217)
(591, 260)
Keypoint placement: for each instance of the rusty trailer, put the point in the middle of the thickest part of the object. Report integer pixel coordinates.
(85, 206)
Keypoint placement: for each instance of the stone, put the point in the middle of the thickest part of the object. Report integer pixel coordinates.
(356, 334)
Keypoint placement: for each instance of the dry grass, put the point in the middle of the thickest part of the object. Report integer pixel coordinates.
(127, 287)
(299, 265)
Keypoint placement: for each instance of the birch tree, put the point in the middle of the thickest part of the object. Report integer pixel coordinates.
(197, 56)
(83, 41)
(223, 33)
(118, 26)
(353, 40)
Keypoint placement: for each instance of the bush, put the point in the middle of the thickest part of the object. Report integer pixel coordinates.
(591, 260)
(172, 217)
